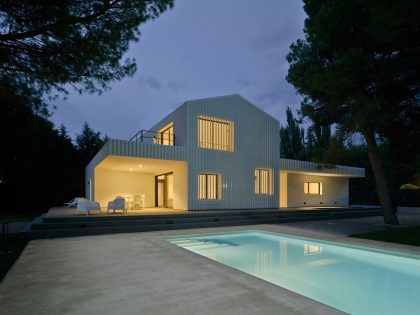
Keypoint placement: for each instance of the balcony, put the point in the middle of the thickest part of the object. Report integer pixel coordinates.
(165, 137)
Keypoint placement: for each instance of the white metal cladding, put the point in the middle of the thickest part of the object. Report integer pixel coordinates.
(311, 167)
(90, 169)
(256, 146)
(147, 150)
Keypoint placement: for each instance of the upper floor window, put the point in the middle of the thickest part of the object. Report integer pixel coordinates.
(263, 181)
(312, 188)
(209, 186)
(215, 133)
(165, 135)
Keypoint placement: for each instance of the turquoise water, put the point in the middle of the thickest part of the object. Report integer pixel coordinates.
(356, 280)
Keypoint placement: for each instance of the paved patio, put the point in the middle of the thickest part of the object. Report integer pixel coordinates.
(140, 273)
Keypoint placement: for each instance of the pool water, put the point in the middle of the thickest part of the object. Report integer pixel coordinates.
(356, 280)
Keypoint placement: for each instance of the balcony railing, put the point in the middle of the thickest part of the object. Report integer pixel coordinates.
(154, 137)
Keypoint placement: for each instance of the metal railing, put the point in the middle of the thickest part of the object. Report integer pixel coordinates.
(154, 137)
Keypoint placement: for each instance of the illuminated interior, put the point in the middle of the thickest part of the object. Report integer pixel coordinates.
(209, 186)
(166, 135)
(263, 181)
(153, 178)
(215, 133)
(312, 188)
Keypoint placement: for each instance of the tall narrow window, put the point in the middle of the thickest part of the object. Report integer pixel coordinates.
(215, 133)
(263, 181)
(209, 186)
(312, 188)
(165, 135)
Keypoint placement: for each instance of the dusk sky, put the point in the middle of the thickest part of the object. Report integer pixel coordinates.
(199, 49)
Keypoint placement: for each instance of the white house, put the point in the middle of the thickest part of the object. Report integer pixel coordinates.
(213, 153)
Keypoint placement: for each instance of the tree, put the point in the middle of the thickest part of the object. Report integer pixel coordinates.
(318, 135)
(358, 67)
(291, 137)
(39, 168)
(46, 45)
(89, 142)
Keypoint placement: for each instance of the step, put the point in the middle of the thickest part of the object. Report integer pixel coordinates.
(53, 233)
(174, 220)
(192, 214)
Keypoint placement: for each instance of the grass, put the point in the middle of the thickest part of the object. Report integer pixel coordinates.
(20, 217)
(407, 236)
(15, 245)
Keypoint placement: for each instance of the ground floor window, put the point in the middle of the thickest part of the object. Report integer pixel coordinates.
(312, 188)
(263, 181)
(209, 186)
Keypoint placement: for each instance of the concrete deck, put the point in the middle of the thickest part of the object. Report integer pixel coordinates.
(65, 212)
(141, 273)
(68, 212)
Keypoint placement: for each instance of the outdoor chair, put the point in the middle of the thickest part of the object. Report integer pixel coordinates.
(117, 204)
(139, 201)
(86, 205)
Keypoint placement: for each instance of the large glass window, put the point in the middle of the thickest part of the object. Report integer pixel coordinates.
(215, 133)
(312, 188)
(209, 186)
(263, 181)
(166, 135)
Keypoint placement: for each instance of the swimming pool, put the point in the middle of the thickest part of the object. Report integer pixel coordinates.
(356, 280)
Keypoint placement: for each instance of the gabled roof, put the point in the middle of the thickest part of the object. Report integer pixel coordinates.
(222, 100)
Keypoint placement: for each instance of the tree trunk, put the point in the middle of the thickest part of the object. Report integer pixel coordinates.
(380, 180)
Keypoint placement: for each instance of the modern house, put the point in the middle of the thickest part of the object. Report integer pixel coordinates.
(214, 153)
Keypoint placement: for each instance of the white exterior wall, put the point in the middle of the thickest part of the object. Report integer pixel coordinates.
(114, 184)
(335, 191)
(255, 145)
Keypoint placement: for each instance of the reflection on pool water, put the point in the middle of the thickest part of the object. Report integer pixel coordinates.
(356, 280)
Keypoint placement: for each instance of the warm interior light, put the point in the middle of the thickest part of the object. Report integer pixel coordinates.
(140, 165)
(131, 169)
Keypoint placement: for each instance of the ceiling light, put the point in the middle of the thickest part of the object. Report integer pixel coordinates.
(131, 169)
(140, 165)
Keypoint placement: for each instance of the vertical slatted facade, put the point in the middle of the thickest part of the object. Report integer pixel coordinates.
(254, 144)
(226, 141)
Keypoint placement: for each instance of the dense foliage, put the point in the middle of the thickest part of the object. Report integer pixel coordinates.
(40, 166)
(50, 44)
(292, 137)
(45, 48)
(358, 68)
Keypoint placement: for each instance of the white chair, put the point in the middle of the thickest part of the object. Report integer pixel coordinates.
(139, 201)
(117, 204)
(86, 205)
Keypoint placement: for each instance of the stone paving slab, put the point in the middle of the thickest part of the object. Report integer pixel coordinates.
(141, 273)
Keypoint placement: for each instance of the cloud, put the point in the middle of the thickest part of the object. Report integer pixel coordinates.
(243, 82)
(149, 81)
(176, 86)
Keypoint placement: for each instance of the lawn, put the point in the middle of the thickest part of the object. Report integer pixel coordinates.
(17, 217)
(407, 236)
(15, 243)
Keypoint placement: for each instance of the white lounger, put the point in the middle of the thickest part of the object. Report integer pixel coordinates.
(87, 205)
(72, 203)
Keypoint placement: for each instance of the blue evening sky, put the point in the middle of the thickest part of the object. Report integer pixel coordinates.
(200, 48)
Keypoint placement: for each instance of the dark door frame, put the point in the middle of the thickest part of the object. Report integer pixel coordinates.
(165, 189)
